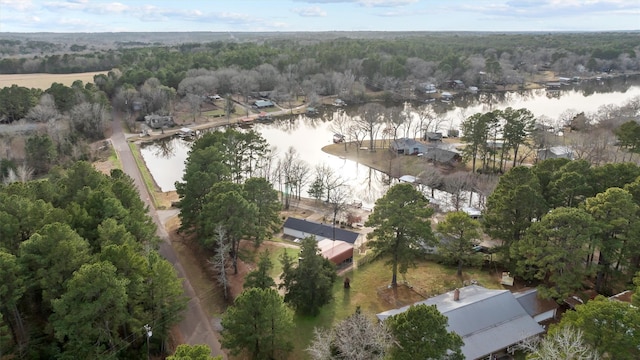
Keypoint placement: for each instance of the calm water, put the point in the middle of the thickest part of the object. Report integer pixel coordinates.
(166, 158)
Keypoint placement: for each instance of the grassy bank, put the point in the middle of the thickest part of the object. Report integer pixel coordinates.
(146, 175)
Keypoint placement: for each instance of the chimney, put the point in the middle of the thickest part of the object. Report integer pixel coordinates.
(456, 295)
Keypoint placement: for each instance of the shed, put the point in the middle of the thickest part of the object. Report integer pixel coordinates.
(488, 321)
(408, 179)
(472, 212)
(540, 309)
(408, 146)
(428, 88)
(338, 252)
(301, 228)
(260, 104)
(155, 121)
(555, 152)
(443, 156)
(433, 136)
(186, 133)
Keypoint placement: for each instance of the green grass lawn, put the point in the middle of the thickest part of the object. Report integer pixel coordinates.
(369, 292)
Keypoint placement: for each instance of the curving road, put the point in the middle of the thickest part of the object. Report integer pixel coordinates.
(196, 325)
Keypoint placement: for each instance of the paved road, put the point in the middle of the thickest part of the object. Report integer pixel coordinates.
(196, 325)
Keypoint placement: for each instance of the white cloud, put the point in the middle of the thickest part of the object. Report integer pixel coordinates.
(367, 3)
(114, 7)
(385, 3)
(571, 8)
(311, 11)
(17, 5)
(85, 6)
(63, 5)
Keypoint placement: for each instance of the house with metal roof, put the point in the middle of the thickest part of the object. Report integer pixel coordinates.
(261, 104)
(301, 228)
(443, 156)
(408, 146)
(488, 321)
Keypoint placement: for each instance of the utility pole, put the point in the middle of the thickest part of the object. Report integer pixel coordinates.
(147, 329)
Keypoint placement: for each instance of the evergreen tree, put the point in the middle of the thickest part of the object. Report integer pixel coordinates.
(259, 324)
(401, 224)
(308, 286)
(421, 333)
(260, 278)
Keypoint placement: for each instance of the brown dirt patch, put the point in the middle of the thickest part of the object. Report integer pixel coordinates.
(400, 296)
(165, 200)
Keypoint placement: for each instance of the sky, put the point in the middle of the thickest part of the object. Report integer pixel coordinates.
(317, 15)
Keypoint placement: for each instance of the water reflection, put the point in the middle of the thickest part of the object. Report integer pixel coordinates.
(166, 170)
(308, 134)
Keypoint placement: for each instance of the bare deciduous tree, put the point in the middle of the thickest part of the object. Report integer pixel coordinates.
(195, 103)
(354, 338)
(244, 83)
(338, 203)
(565, 344)
(23, 173)
(329, 178)
(89, 119)
(484, 186)
(45, 110)
(370, 120)
(431, 177)
(219, 260)
(428, 120)
(157, 97)
(340, 125)
(294, 175)
(456, 185)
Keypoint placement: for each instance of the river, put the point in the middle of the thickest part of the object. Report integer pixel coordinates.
(165, 158)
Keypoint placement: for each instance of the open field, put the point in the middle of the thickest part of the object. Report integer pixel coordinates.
(44, 81)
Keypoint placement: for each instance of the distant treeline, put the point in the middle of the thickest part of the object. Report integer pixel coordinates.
(384, 56)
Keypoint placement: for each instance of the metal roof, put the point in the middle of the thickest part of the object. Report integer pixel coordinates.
(320, 230)
(533, 304)
(264, 103)
(487, 320)
(441, 155)
(408, 178)
(405, 142)
(336, 251)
